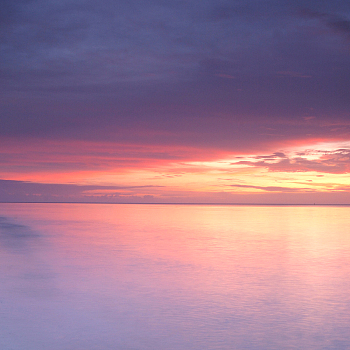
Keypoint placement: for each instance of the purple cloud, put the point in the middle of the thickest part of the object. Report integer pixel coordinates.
(332, 162)
(274, 188)
(216, 78)
(22, 191)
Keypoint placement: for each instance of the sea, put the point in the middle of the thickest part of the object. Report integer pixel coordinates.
(174, 277)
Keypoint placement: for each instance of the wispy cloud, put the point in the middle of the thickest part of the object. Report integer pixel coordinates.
(332, 162)
(273, 188)
(338, 23)
(11, 190)
(131, 90)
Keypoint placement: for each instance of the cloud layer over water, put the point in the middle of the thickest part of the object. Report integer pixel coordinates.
(157, 82)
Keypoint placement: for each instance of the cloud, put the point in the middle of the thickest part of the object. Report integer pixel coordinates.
(113, 86)
(22, 191)
(338, 23)
(273, 188)
(273, 156)
(74, 158)
(332, 162)
(293, 74)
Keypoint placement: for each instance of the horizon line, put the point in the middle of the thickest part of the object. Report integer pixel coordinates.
(194, 203)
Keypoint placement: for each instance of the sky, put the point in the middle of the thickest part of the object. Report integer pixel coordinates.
(196, 101)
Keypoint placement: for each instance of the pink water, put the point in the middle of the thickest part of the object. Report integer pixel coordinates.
(158, 277)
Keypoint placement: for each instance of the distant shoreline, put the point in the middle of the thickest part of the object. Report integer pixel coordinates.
(203, 204)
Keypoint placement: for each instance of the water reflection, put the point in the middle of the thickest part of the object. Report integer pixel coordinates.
(14, 236)
(178, 277)
(24, 270)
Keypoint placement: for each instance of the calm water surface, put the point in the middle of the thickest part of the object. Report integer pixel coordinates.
(177, 277)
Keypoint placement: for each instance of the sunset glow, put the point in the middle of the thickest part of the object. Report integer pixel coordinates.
(212, 108)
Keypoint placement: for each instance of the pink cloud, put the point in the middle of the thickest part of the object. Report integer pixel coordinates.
(332, 162)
